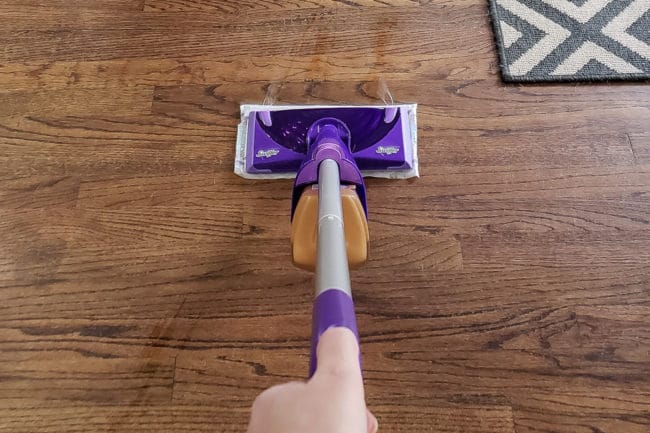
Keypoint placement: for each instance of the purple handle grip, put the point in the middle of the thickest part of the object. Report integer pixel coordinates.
(332, 307)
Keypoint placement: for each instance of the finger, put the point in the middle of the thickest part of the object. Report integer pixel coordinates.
(373, 424)
(338, 355)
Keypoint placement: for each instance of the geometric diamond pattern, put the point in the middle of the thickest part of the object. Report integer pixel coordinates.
(572, 40)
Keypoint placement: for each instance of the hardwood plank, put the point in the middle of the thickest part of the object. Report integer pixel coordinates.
(202, 419)
(425, 374)
(474, 419)
(201, 292)
(92, 147)
(515, 350)
(220, 257)
(193, 293)
(455, 97)
(179, 191)
(438, 184)
(201, 323)
(482, 216)
(78, 102)
(161, 144)
(71, 36)
(92, 227)
(229, 380)
(540, 355)
(48, 260)
(199, 379)
(125, 419)
(519, 182)
(473, 107)
(545, 148)
(73, 136)
(628, 249)
(121, 5)
(531, 329)
(540, 369)
(472, 292)
(158, 339)
(39, 75)
(85, 237)
(85, 381)
(219, 382)
(239, 7)
(293, 19)
(580, 414)
(506, 215)
(35, 191)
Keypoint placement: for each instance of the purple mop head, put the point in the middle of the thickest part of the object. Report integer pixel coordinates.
(274, 141)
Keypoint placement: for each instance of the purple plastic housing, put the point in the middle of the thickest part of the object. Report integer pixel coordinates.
(328, 138)
(357, 138)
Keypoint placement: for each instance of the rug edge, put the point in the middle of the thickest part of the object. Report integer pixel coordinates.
(507, 77)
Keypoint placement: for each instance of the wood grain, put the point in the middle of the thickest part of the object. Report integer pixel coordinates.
(124, 146)
(144, 287)
(640, 144)
(231, 6)
(471, 106)
(37, 191)
(53, 382)
(262, 69)
(78, 102)
(161, 418)
(304, 32)
(124, 5)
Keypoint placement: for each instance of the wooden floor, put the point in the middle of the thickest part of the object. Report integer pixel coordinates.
(145, 288)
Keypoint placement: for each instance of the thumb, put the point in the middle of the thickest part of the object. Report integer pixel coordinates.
(338, 378)
(338, 356)
(373, 424)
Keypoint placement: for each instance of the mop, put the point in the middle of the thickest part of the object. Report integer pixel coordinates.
(328, 150)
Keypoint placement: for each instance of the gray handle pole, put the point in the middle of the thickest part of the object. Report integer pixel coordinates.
(332, 270)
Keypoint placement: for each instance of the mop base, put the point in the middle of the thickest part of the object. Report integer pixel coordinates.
(251, 162)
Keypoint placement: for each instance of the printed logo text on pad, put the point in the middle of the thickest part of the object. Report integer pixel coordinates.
(387, 150)
(266, 153)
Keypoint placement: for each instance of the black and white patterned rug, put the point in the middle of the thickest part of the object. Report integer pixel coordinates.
(572, 40)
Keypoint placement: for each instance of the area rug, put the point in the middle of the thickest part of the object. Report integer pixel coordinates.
(572, 40)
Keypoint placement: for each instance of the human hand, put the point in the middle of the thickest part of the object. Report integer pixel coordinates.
(332, 401)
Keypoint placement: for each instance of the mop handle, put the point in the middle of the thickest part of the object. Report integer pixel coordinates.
(333, 305)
